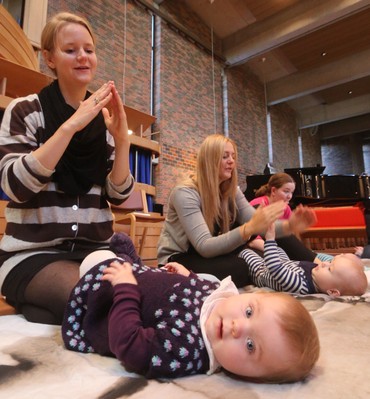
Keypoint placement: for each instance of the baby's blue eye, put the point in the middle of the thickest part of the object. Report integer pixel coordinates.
(250, 345)
(249, 312)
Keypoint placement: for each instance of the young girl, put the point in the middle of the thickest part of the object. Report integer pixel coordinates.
(280, 187)
(63, 156)
(169, 322)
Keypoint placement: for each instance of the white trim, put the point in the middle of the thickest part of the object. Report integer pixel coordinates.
(34, 20)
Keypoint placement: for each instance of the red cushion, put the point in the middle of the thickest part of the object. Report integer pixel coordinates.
(339, 216)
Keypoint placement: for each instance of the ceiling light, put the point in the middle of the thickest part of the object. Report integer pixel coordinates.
(350, 92)
(323, 54)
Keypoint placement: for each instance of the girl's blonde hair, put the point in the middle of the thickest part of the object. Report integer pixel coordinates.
(56, 23)
(217, 200)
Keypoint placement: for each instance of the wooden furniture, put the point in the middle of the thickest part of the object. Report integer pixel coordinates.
(3, 204)
(143, 227)
(14, 44)
(338, 230)
(5, 309)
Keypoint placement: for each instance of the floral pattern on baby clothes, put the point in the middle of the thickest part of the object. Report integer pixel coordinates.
(96, 294)
(179, 347)
(169, 303)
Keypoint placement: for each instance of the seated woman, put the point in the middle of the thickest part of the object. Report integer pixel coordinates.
(63, 157)
(209, 219)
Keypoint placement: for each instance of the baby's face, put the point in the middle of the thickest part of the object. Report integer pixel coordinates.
(245, 334)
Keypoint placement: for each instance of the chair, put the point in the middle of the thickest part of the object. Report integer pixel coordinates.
(143, 227)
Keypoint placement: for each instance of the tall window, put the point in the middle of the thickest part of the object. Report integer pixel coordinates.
(366, 155)
(300, 149)
(152, 66)
(30, 15)
(269, 136)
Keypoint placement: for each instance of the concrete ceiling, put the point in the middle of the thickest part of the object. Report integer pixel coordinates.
(312, 54)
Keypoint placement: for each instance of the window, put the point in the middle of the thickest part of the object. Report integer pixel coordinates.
(30, 15)
(15, 8)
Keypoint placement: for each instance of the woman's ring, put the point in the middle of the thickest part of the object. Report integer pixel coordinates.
(96, 100)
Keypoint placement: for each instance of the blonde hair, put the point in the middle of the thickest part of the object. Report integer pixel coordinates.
(355, 282)
(56, 23)
(300, 331)
(217, 200)
(277, 180)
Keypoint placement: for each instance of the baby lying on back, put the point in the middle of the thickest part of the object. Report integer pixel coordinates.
(343, 275)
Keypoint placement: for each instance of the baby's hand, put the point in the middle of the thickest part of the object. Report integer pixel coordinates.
(258, 244)
(176, 268)
(359, 251)
(265, 215)
(117, 273)
(270, 232)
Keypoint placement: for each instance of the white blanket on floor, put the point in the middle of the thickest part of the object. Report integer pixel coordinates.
(34, 364)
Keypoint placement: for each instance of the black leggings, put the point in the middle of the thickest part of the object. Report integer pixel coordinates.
(295, 249)
(231, 265)
(220, 266)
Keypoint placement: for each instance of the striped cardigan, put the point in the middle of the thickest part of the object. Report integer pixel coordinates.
(39, 217)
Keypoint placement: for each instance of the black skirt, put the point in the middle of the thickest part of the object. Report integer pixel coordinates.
(20, 276)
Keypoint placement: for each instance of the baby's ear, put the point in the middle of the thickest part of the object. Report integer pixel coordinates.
(333, 293)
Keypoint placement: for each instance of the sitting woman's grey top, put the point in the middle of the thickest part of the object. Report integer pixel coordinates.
(185, 226)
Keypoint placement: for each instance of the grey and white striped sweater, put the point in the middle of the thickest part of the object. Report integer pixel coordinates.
(39, 217)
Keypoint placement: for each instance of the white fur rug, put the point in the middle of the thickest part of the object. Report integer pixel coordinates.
(34, 364)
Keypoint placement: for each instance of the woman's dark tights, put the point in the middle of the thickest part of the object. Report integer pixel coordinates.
(47, 293)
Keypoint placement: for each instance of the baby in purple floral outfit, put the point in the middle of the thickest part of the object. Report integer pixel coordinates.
(170, 322)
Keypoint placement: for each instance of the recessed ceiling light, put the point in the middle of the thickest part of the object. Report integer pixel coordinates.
(323, 54)
(350, 92)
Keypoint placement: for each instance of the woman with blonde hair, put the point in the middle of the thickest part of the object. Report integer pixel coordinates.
(63, 158)
(209, 219)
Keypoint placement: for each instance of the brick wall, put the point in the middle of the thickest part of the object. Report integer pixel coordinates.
(188, 90)
(311, 148)
(185, 107)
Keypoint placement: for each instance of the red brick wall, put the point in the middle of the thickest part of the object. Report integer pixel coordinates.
(311, 148)
(247, 121)
(185, 105)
